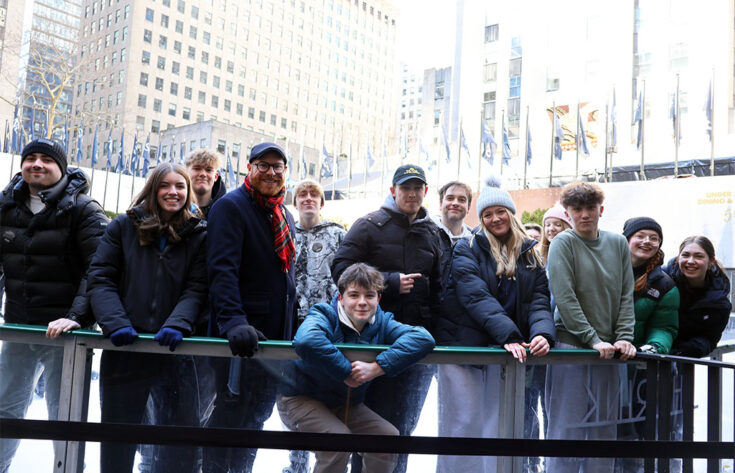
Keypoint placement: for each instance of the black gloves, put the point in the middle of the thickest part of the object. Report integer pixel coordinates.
(244, 339)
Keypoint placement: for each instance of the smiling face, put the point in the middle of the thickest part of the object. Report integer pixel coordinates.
(643, 245)
(409, 196)
(40, 172)
(496, 220)
(359, 303)
(455, 204)
(552, 227)
(202, 178)
(308, 202)
(693, 263)
(269, 183)
(171, 194)
(585, 219)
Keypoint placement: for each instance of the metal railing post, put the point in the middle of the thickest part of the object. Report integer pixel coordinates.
(665, 392)
(73, 403)
(686, 371)
(649, 464)
(510, 418)
(714, 413)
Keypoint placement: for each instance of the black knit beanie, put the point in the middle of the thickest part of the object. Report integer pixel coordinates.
(50, 148)
(633, 225)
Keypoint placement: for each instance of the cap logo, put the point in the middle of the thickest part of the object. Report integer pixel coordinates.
(411, 171)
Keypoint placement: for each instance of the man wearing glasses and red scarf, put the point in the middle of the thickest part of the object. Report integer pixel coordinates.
(250, 253)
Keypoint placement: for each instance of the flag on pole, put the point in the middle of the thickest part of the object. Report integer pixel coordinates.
(582, 138)
(120, 167)
(134, 157)
(33, 122)
(326, 169)
(558, 136)
(304, 166)
(506, 146)
(66, 134)
(614, 120)
(638, 119)
(528, 145)
(146, 156)
(172, 152)
(672, 115)
(159, 151)
(708, 110)
(95, 145)
(489, 146)
(108, 151)
(371, 158)
(6, 138)
(423, 152)
(16, 139)
(230, 172)
(446, 145)
(182, 152)
(80, 136)
(463, 144)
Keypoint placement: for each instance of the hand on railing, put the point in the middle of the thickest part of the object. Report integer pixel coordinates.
(626, 349)
(59, 326)
(123, 336)
(244, 339)
(539, 346)
(607, 351)
(169, 337)
(517, 350)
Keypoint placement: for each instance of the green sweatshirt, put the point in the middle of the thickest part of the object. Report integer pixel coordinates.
(592, 283)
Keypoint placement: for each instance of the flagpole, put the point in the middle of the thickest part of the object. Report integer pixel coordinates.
(104, 196)
(712, 131)
(576, 163)
(502, 157)
(525, 158)
(459, 149)
(385, 166)
(607, 140)
(643, 132)
(553, 133)
(119, 184)
(676, 130)
(349, 168)
(335, 164)
(367, 169)
(479, 160)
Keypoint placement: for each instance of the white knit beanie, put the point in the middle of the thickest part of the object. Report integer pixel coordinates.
(492, 195)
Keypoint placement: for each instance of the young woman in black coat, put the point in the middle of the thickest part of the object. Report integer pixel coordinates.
(498, 295)
(149, 275)
(704, 307)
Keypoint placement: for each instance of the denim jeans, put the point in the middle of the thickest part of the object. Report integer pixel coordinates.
(21, 366)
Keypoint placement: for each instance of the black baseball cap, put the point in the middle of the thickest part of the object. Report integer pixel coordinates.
(408, 172)
(262, 149)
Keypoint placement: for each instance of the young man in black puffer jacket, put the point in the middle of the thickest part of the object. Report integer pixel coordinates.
(49, 230)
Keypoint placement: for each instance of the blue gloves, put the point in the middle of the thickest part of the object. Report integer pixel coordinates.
(243, 339)
(168, 337)
(123, 336)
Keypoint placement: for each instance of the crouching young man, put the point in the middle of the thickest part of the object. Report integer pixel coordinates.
(324, 391)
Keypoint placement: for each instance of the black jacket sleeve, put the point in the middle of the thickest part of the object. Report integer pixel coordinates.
(702, 345)
(103, 281)
(89, 224)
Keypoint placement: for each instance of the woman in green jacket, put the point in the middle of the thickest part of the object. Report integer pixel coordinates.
(655, 294)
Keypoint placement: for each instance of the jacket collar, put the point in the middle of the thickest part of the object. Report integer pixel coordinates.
(391, 207)
(63, 194)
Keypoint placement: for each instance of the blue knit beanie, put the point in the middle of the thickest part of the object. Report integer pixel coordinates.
(492, 195)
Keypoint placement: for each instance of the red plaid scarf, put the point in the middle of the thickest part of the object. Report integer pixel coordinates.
(282, 241)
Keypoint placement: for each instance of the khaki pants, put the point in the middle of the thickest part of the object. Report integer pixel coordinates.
(304, 414)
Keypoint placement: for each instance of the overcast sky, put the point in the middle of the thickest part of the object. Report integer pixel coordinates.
(426, 33)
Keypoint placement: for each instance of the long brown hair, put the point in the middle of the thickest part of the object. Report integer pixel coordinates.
(704, 243)
(154, 224)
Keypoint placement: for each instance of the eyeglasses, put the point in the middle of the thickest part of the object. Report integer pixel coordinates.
(651, 238)
(261, 166)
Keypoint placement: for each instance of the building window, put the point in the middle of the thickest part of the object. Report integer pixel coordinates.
(148, 13)
(187, 93)
(273, 120)
(239, 109)
(181, 6)
(172, 109)
(437, 117)
(179, 26)
(174, 89)
(215, 101)
(193, 32)
(189, 72)
(202, 97)
(164, 21)
(157, 105)
(206, 37)
(186, 113)
(200, 118)
(490, 72)
(146, 59)
(141, 100)
(241, 90)
(488, 107)
(192, 53)
(228, 105)
(284, 123)
(203, 77)
(205, 57)
(161, 64)
(175, 67)
(144, 79)
(177, 47)
(261, 117)
(195, 12)
(159, 83)
(491, 33)
(215, 81)
(251, 113)
(155, 126)
(147, 36)
(162, 42)
(140, 123)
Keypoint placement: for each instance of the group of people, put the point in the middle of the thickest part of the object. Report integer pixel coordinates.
(188, 258)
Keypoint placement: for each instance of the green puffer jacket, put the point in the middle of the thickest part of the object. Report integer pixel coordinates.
(656, 311)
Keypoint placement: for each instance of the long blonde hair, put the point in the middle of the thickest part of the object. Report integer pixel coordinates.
(545, 242)
(506, 253)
